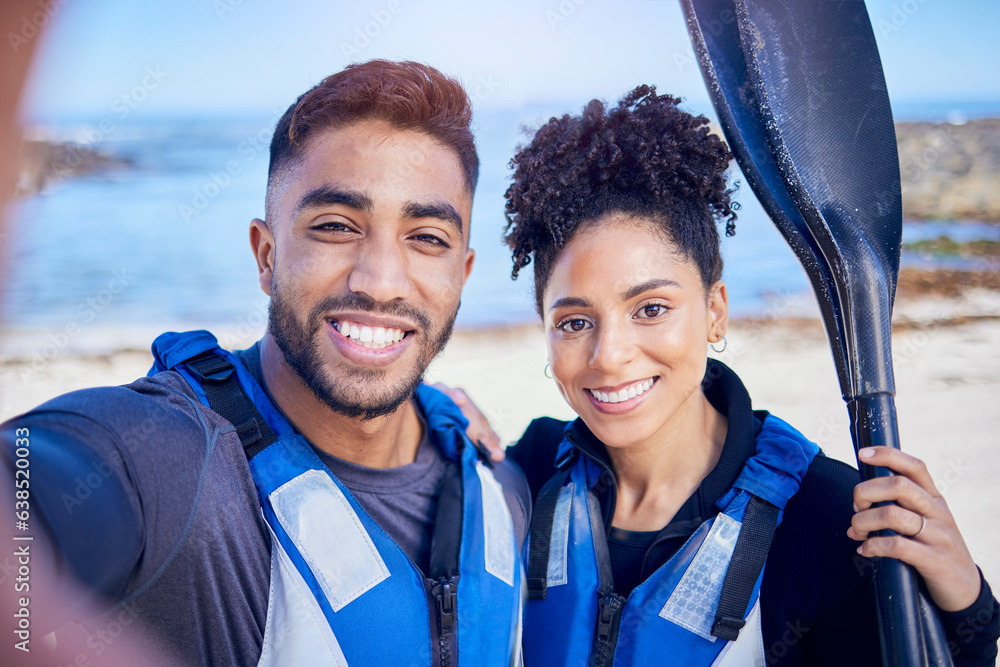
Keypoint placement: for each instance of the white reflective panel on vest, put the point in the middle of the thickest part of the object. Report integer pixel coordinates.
(498, 528)
(329, 536)
(748, 649)
(695, 600)
(297, 632)
(559, 546)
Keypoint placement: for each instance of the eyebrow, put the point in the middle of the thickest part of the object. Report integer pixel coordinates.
(630, 293)
(440, 211)
(570, 302)
(636, 290)
(327, 195)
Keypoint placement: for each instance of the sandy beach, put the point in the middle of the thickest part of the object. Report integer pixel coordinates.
(947, 361)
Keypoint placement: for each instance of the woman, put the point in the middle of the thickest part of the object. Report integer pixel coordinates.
(654, 511)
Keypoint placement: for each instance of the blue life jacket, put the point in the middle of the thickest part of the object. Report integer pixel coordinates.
(342, 592)
(701, 607)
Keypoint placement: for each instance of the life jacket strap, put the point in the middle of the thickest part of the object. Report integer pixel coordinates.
(540, 537)
(446, 541)
(745, 567)
(227, 398)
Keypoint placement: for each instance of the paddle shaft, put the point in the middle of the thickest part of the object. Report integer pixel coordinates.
(873, 424)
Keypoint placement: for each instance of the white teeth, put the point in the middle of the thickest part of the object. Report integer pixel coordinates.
(624, 394)
(371, 337)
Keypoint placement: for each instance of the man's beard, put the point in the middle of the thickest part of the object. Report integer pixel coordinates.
(358, 393)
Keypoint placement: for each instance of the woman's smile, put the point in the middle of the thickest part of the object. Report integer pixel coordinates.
(622, 398)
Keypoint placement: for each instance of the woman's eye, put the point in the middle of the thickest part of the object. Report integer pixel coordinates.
(652, 310)
(573, 325)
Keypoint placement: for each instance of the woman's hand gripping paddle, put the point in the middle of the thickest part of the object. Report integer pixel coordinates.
(799, 90)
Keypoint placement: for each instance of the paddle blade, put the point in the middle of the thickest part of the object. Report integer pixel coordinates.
(818, 80)
(716, 40)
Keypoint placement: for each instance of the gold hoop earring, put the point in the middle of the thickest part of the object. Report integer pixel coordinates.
(719, 350)
(547, 371)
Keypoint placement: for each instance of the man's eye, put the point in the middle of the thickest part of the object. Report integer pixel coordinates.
(332, 227)
(431, 239)
(573, 325)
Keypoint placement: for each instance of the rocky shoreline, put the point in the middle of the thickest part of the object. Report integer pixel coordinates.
(948, 171)
(46, 162)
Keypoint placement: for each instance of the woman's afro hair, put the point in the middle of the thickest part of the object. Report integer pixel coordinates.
(645, 158)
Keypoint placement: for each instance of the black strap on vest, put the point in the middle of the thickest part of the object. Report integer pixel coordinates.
(446, 541)
(226, 397)
(745, 566)
(542, 517)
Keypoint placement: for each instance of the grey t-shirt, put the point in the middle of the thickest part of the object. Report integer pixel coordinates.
(403, 500)
(147, 497)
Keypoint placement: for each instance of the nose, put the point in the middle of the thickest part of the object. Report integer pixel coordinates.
(612, 349)
(381, 270)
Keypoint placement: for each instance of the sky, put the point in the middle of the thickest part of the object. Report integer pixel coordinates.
(232, 56)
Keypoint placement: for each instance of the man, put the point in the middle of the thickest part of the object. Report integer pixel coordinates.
(307, 501)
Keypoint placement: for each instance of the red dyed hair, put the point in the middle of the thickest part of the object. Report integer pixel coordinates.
(407, 95)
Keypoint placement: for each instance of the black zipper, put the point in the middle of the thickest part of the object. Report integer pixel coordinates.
(609, 618)
(610, 605)
(442, 595)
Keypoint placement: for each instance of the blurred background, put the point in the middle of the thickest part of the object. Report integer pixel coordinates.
(144, 152)
(147, 127)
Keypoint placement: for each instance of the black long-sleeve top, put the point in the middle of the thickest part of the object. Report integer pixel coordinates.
(817, 595)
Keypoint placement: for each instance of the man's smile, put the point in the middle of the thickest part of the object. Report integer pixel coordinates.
(370, 336)
(364, 343)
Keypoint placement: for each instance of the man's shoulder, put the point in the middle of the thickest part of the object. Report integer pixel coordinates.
(165, 387)
(145, 410)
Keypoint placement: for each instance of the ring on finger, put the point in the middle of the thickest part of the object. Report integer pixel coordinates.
(922, 526)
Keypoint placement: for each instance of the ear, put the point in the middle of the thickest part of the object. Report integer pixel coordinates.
(718, 312)
(262, 243)
(470, 257)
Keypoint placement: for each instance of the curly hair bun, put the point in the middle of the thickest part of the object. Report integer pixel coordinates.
(645, 157)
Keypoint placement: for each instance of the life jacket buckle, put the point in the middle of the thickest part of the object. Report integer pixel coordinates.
(210, 367)
(727, 627)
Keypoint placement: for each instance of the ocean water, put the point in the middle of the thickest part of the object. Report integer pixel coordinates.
(164, 243)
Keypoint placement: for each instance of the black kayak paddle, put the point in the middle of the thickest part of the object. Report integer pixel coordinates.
(800, 93)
